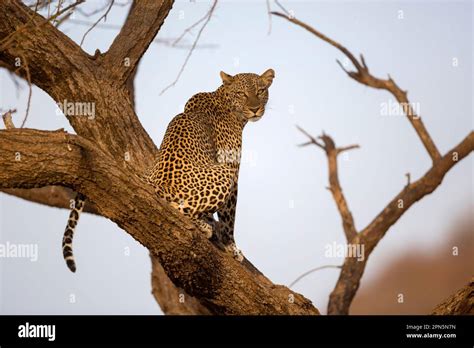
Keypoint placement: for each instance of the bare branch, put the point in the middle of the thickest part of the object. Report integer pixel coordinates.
(9, 39)
(141, 26)
(352, 269)
(192, 26)
(7, 119)
(96, 10)
(269, 17)
(408, 176)
(207, 19)
(30, 89)
(104, 17)
(293, 283)
(332, 152)
(282, 8)
(321, 36)
(370, 236)
(363, 76)
(347, 148)
(312, 140)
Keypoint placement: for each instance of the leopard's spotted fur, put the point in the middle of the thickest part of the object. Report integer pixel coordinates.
(198, 162)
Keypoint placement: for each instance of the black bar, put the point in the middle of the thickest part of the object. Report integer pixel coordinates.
(293, 330)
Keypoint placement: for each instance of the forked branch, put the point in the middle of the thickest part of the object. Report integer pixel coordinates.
(363, 76)
(353, 269)
(143, 23)
(327, 144)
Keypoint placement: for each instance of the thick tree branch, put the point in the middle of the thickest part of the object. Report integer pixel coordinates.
(76, 80)
(172, 300)
(114, 126)
(193, 263)
(32, 158)
(52, 196)
(460, 303)
(52, 56)
(106, 159)
(353, 268)
(143, 23)
(363, 76)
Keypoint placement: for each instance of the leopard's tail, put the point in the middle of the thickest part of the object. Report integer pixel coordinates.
(69, 232)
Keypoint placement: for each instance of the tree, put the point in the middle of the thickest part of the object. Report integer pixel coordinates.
(106, 157)
(353, 268)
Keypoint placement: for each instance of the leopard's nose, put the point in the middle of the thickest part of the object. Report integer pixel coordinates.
(254, 109)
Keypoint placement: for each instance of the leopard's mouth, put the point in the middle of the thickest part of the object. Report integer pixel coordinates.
(254, 118)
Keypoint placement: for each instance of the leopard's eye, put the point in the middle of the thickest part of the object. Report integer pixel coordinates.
(241, 94)
(261, 91)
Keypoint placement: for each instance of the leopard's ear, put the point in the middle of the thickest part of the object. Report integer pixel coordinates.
(267, 77)
(226, 78)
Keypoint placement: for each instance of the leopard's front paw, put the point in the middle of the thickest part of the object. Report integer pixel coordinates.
(236, 252)
(206, 228)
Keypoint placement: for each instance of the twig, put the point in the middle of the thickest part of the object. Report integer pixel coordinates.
(7, 40)
(30, 89)
(93, 12)
(208, 18)
(363, 76)
(191, 27)
(311, 271)
(332, 152)
(63, 19)
(7, 119)
(312, 140)
(269, 17)
(164, 41)
(169, 43)
(347, 148)
(282, 8)
(408, 179)
(104, 17)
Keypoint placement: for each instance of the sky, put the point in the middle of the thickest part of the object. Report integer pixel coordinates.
(286, 218)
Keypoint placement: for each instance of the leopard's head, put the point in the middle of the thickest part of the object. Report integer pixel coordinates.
(248, 93)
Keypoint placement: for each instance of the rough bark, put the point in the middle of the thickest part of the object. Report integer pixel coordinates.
(106, 158)
(461, 302)
(52, 196)
(172, 300)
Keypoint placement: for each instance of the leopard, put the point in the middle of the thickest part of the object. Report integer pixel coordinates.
(197, 165)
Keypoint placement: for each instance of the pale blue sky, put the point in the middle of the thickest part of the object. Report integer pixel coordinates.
(285, 215)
